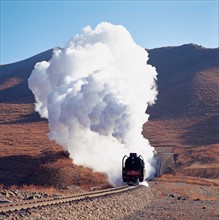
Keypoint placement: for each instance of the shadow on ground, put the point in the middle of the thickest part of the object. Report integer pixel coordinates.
(20, 169)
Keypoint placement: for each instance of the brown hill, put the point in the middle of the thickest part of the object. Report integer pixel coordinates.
(187, 81)
(27, 156)
(13, 79)
(184, 117)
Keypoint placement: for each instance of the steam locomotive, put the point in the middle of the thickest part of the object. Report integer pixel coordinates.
(133, 169)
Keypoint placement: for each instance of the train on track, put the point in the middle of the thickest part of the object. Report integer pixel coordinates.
(133, 169)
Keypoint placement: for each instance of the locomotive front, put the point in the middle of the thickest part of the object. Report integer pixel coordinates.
(132, 169)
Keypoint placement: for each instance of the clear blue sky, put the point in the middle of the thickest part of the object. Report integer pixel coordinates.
(31, 27)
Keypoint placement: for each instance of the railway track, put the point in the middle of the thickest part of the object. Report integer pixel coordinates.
(22, 205)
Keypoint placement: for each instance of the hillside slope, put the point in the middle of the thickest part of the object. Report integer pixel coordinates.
(13, 79)
(27, 156)
(185, 117)
(188, 81)
(186, 114)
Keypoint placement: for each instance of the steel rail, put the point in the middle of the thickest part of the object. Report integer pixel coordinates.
(34, 203)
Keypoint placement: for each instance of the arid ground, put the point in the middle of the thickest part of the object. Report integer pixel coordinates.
(184, 119)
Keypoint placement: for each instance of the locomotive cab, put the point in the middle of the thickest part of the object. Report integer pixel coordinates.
(132, 169)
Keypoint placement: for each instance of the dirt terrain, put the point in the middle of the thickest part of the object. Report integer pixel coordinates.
(27, 156)
(158, 201)
(186, 114)
(185, 118)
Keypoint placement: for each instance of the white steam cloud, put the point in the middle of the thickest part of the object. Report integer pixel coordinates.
(94, 93)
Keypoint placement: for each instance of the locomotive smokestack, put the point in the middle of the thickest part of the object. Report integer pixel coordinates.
(94, 93)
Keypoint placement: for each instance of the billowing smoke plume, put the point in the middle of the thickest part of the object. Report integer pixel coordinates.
(94, 93)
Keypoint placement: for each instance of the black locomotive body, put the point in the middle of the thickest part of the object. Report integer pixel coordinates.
(132, 169)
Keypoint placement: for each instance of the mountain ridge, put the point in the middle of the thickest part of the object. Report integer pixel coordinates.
(185, 116)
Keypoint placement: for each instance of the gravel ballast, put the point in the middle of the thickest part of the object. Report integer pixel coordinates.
(139, 203)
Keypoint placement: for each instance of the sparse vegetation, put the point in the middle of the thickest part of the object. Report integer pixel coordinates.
(185, 118)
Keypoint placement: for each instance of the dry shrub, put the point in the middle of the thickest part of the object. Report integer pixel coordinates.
(34, 188)
(190, 180)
